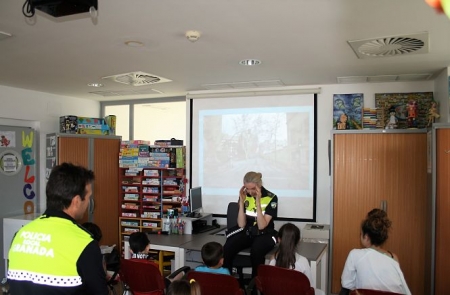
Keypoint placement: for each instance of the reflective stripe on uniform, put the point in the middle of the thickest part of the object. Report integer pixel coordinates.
(44, 279)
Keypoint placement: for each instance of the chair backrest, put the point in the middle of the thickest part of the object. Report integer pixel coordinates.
(216, 284)
(274, 280)
(141, 276)
(232, 214)
(112, 260)
(371, 292)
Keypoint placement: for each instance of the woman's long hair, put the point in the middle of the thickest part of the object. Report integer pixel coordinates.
(289, 235)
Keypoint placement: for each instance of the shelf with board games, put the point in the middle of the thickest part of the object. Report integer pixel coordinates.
(151, 181)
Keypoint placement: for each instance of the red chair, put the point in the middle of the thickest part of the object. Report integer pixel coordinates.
(216, 284)
(371, 292)
(143, 277)
(274, 280)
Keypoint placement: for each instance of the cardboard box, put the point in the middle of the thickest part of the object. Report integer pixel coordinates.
(87, 120)
(92, 131)
(111, 122)
(68, 124)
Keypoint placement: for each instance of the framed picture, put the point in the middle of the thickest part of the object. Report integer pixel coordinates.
(386, 102)
(347, 111)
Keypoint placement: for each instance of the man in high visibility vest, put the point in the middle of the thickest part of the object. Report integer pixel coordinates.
(53, 254)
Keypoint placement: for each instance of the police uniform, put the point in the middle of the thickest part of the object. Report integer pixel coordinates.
(259, 241)
(54, 255)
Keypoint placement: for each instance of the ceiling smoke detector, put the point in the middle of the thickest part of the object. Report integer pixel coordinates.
(193, 36)
(137, 79)
(391, 46)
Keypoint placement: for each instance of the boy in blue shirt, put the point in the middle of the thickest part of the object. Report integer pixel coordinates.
(212, 256)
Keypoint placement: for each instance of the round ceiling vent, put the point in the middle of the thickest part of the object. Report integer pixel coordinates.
(391, 46)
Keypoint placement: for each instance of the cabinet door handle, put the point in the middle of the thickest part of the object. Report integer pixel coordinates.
(447, 151)
(384, 205)
(91, 206)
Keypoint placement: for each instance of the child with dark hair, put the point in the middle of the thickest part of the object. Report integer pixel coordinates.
(94, 229)
(139, 245)
(286, 255)
(373, 267)
(212, 256)
(140, 248)
(184, 287)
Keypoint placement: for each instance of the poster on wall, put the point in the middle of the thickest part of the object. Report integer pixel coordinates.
(347, 111)
(7, 139)
(399, 103)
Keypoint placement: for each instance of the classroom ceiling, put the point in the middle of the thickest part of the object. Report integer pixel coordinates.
(299, 42)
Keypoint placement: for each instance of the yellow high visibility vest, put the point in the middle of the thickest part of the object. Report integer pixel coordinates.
(46, 251)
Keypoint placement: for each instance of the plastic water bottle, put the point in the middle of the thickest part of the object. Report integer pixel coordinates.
(167, 225)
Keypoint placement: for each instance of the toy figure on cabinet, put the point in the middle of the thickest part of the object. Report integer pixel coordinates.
(392, 122)
(432, 114)
(412, 114)
(342, 123)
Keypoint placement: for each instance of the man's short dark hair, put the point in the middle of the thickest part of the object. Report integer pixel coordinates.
(138, 242)
(65, 182)
(212, 252)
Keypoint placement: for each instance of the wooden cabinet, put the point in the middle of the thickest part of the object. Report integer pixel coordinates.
(372, 169)
(100, 154)
(441, 197)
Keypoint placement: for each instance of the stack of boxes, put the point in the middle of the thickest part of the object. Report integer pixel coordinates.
(140, 154)
(369, 118)
(129, 153)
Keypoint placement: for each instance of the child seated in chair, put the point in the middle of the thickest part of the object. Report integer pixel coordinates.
(286, 255)
(212, 256)
(140, 248)
(184, 287)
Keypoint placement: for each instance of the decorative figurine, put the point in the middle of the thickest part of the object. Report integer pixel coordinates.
(432, 114)
(392, 123)
(411, 107)
(342, 123)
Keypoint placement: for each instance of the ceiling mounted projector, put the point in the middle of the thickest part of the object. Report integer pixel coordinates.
(59, 8)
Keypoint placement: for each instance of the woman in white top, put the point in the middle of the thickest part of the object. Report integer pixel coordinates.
(374, 267)
(287, 257)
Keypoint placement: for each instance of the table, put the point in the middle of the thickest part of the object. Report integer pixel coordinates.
(316, 253)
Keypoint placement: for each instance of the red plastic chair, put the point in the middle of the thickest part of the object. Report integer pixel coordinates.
(371, 292)
(216, 284)
(142, 277)
(274, 280)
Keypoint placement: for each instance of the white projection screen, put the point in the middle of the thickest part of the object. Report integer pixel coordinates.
(271, 134)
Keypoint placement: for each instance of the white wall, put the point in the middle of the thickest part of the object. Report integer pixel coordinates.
(41, 111)
(441, 95)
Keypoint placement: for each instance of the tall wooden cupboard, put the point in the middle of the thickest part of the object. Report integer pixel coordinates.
(100, 154)
(440, 169)
(388, 170)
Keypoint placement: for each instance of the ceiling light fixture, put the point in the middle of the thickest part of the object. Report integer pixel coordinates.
(192, 35)
(95, 85)
(250, 62)
(133, 43)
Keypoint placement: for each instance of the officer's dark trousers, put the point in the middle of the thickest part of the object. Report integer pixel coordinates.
(259, 246)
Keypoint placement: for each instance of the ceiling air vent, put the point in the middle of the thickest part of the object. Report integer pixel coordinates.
(391, 46)
(137, 79)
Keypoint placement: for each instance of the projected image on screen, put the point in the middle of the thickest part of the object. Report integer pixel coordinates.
(277, 141)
